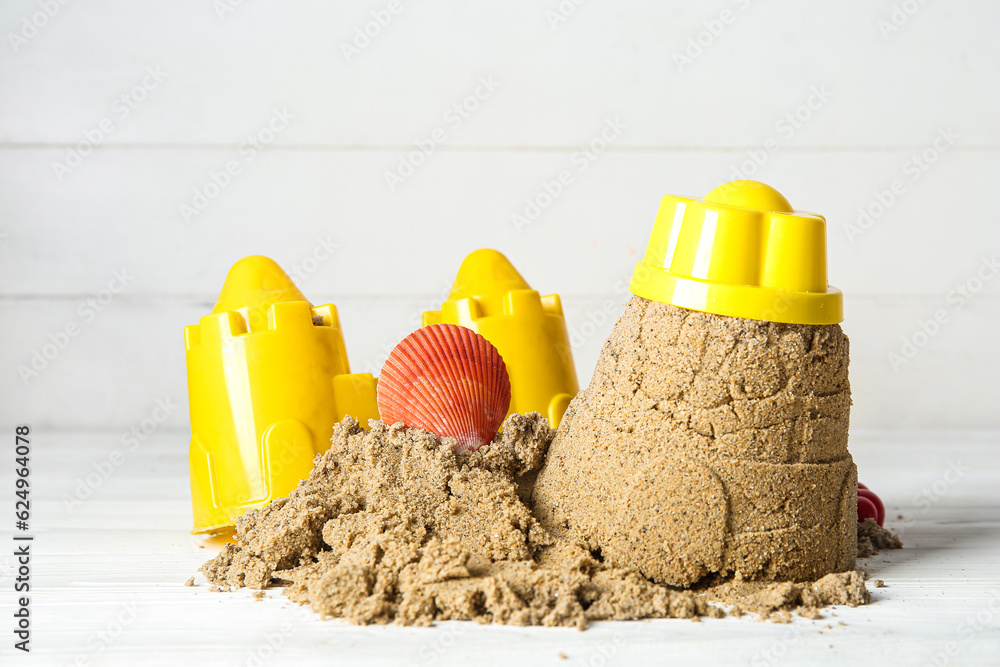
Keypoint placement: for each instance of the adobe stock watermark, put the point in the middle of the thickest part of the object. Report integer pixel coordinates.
(924, 500)
(220, 179)
(596, 319)
(300, 271)
(104, 637)
(773, 654)
(269, 646)
(444, 639)
(84, 487)
(322, 252)
(712, 30)
(562, 12)
(913, 170)
(987, 618)
(957, 298)
(604, 652)
(32, 25)
(365, 34)
(899, 15)
(121, 109)
(87, 311)
(453, 118)
(224, 8)
(415, 321)
(551, 189)
(786, 127)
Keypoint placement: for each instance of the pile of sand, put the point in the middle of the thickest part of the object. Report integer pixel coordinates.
(873, 538)
(392, 525)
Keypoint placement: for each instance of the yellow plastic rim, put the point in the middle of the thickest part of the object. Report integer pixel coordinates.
(747, 301)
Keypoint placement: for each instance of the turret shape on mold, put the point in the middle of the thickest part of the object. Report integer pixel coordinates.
(268, 377)
(490, 297)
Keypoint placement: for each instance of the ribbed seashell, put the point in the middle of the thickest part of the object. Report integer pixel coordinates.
(448, 380)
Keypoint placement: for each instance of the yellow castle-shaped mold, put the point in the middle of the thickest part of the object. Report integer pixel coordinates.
(268, 377)
(741, 251)
(490, 297)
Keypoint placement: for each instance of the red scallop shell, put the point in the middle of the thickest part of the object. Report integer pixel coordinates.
(448, 380)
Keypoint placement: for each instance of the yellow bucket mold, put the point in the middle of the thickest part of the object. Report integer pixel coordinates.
(268, 378)
(490, 297)
(741, 251)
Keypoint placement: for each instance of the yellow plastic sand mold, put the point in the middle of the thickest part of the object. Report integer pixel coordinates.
(741, 251)
(490, 297)
(268, 377)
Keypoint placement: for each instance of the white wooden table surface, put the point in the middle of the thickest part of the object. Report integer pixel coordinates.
(108, 575)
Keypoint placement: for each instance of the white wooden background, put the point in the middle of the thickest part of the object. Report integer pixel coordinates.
(890, 82)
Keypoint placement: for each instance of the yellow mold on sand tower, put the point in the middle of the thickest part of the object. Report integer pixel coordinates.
(268, 378)
(490, 297)
(741, 251)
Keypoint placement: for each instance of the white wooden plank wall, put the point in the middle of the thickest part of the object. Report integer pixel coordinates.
(885, 80)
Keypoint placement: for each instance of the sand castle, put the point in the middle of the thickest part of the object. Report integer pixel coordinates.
(712, 440)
